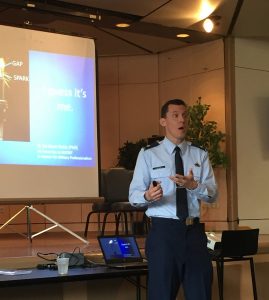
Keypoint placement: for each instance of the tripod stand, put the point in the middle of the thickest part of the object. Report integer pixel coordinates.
(29, 207)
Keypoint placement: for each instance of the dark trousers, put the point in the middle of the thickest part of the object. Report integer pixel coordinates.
(177, 254)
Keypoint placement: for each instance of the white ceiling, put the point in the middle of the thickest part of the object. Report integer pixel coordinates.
(154, 23)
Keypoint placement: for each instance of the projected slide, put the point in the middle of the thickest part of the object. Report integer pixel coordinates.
(48, 115)
(51, 120)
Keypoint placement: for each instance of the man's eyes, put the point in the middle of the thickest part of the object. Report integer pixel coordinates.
(175, 116)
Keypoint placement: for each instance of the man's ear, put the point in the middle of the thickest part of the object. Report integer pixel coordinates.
(162, 122)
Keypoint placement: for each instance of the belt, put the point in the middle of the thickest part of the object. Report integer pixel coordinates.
(190, 221)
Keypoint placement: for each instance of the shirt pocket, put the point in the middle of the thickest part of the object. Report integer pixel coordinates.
(160, 174)
(197, 175)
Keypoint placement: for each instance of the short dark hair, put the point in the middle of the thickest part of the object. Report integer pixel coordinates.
(164, 108)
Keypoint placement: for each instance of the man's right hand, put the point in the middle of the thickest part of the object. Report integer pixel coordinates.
(154, 193)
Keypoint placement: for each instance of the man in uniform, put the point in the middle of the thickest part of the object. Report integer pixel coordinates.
(172, 177)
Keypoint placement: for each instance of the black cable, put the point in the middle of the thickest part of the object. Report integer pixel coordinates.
(39, 254)
(75, 258)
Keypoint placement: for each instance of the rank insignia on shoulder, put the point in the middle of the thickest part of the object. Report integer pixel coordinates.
(155, 144)
(197, 146)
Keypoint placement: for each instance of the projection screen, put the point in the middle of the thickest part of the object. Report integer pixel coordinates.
(48, 115)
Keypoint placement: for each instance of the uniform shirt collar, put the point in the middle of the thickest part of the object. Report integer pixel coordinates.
(170, 147)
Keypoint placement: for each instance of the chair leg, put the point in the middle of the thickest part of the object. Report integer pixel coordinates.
(132, 220)
(104, 223)
(146, 222)
(220, 275)
(125, 219)
(253, 278)
(117, 219)
(87, 224)
(99, 222)
(126, 222)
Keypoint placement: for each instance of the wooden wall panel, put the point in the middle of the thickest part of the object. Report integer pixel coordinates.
(109, 115)
(139, 111)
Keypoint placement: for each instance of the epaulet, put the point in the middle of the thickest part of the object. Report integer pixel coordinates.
(154, 144)
(197, 146)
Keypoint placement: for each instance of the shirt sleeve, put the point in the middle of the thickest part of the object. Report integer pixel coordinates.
(207, 189)
(140, 182)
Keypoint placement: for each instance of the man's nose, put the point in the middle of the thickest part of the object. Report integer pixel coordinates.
(180, 119)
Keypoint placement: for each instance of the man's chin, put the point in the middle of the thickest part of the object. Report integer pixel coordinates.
(181, 135)
(181, 138)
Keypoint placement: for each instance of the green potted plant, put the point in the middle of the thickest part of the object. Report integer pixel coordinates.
(205, 134)
(128, 153)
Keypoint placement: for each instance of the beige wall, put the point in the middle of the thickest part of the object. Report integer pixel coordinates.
(252, 127)
(193, 72)
(128, 97)
(132, 90)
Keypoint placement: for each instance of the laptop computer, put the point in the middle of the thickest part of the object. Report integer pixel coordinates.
(121, 252)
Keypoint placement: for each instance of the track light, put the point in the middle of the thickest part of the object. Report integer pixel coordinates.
(210, 22)
(208, 25)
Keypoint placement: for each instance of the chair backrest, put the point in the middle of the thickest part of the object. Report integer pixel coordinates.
(238, 243)
(116, 183)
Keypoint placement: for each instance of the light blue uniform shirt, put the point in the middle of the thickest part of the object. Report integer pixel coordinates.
(158, 163)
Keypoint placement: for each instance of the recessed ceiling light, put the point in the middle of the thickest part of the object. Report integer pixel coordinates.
(30, 5)
(183, 35)
(122, 25)
(27, 22)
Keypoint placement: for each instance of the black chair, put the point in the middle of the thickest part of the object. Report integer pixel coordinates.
(115, 184)
(236, 245)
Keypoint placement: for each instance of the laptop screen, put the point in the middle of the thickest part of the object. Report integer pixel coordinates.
(119, 249)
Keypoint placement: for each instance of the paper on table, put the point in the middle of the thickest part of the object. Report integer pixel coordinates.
(15, 272)
(212, 239)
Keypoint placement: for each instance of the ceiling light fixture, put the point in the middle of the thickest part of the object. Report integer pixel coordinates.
(122, 25)
(95, 17)
(183, 35)
(210, 22)
(32, 5)
(28, 23)
(208, 25)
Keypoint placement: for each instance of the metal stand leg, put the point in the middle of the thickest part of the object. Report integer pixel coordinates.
(55, 225)
(29, 231)
(29, 227)
(12, 218)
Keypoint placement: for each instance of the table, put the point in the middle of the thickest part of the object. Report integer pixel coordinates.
(74, 274)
